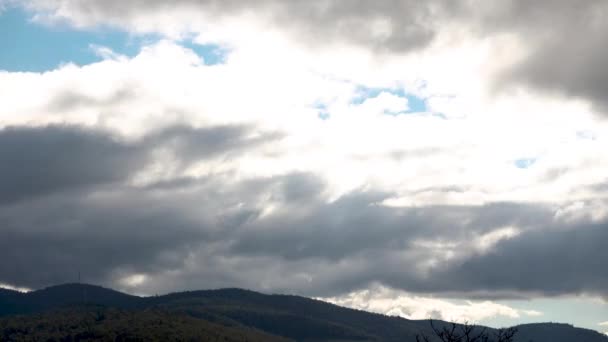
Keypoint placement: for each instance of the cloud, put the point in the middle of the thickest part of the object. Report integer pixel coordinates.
(532, 313)
(35, 161)
(575, 251)
(211, 176)
(283, 233)
(39, 160)
(71, 100)
(191, 144)
(9, 287)
(399, 303)
(70, 199)
(604, 324)
(3, 5)
(548, 53)
(64, 235)
(400, 25)
(564, 53)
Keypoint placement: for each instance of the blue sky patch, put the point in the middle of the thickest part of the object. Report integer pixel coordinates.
(415, 103)
(322, 111)
(210, 53)
(35, 47)
(30, 46)
(525, 163)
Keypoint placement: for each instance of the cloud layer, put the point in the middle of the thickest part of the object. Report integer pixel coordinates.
(90, 212)
(554, 57)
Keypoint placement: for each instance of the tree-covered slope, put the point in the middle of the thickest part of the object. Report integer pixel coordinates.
(292, 317)
(107, 324)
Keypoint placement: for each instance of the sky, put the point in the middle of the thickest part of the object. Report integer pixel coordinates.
(441, 159)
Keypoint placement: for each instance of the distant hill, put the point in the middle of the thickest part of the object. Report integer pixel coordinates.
(557, 332)
(245, 312)
(13, 302)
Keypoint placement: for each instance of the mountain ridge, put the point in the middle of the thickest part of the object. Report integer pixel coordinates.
(287, 316)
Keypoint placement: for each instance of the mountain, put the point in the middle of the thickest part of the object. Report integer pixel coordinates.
(244, 313)
(557, 332)
(10, 302)
(13, 302)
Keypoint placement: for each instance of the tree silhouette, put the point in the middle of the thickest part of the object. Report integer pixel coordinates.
(468, 333)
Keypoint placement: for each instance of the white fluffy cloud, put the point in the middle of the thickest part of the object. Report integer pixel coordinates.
(399, 303)
(10, 287)
(604, 324)
(425, 158)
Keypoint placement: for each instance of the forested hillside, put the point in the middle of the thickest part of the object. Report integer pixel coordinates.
(76, 311)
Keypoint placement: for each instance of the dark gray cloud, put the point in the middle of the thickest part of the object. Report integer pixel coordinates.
(48, 241)
(404, 25)
(565, 42)
(216, 231)
(71, 100)
(375, 243)
(66, 202)
(35, 161)
(192, 144)
(551, 261)
(394, 25)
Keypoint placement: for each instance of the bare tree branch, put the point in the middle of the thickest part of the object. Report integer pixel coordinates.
(467, 332)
